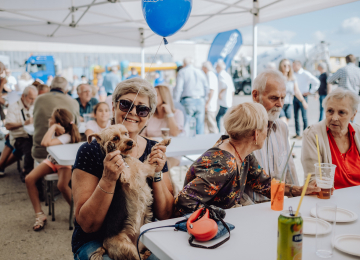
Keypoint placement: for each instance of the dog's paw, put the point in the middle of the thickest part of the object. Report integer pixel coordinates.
(111, 147)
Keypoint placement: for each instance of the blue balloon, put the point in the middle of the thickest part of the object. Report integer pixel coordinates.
(166, 17)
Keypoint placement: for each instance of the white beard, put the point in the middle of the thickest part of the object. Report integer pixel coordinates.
(274, 113)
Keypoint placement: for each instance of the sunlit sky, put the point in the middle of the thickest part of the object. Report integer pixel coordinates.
(339, 26)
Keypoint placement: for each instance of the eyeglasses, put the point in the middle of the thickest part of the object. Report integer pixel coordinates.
(127, 106)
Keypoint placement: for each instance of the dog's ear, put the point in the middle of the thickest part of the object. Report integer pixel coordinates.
(97, 137)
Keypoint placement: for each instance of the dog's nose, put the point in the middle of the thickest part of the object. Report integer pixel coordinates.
(130, 143)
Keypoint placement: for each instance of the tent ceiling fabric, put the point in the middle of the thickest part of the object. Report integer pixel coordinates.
(117, 23)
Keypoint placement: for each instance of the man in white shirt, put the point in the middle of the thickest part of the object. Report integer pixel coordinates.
(11, 81)
(226, 91)
(19, 143)
(304, 79)
(211, 103)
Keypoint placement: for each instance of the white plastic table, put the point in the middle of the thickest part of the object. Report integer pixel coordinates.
(179, 146)
(255, 233)
(30, 128)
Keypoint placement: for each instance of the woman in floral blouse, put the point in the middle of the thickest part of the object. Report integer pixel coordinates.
(216, 178)
(220, 175)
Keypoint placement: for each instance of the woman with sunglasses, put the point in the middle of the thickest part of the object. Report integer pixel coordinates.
(95, 175)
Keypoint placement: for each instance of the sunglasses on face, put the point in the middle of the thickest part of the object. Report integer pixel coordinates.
(127, 106)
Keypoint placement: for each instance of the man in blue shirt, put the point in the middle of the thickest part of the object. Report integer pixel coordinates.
(191, 90)
(111, 80)
(85, 99)
(134, 74)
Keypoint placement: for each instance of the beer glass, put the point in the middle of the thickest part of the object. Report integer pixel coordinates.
(324, 242)
(326, 180)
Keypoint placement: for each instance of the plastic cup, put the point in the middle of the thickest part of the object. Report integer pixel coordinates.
(87, 117)
(324, 242)
(326, 181)
(277, 194)
(165, 132)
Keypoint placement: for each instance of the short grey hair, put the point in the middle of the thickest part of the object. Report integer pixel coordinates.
(133, 86)
(259, 83)
(188, 61)
(59, 83)
(221, 64)
(208, 65)
(28, 88)
(79, 86)
(323, 65)
(340, 94)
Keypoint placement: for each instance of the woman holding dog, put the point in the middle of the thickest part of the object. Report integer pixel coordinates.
(220, 175)
(95, 175)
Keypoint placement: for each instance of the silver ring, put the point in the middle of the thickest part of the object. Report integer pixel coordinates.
(162, 157)
(117, 165)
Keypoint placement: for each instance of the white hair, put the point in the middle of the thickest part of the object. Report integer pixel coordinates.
(28, 88)
(79, 86)
(208, 65)
(188, 61)
(221, 64)
(323, 65)
(259, 83)
(340, 94)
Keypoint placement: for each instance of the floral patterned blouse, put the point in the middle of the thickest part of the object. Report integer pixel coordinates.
(215, 179)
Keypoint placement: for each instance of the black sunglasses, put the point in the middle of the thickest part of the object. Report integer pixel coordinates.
(127, 106)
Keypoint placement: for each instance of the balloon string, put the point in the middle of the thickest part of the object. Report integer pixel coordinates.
(141, 87)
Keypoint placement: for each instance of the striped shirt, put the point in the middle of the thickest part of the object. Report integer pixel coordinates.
(348, 76)
(272, 158)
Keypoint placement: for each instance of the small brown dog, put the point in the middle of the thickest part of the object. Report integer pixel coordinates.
(131, 204)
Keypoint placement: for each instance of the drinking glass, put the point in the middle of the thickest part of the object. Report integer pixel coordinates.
(326, 180)
(324, 242)
(165, 132)
(277, 194)
(87, 117)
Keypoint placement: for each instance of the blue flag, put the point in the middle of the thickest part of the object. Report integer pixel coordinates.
(225, 46)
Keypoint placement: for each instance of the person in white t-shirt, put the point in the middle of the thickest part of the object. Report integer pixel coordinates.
(211, 102)
(226, 91)
(62, 130)
(102, 119)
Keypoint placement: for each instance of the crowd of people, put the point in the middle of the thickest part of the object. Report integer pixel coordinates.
(234, 172)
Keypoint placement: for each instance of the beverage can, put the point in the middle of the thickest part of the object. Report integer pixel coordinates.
(290, 236)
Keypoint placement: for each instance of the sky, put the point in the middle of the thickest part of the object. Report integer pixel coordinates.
(339, 26)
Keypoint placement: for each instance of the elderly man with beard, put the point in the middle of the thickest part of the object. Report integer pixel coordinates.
(269, 89)
(19, 143)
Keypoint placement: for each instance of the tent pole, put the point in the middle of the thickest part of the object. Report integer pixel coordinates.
(255, 12)
(142, 40)
(142, 62)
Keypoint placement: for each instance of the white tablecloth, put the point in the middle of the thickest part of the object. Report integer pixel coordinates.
(179, 146)
(255, 233)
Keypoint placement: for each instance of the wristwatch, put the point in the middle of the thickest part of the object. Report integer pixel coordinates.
(157, 176)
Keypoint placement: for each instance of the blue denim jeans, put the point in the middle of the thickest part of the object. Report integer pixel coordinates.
(321, 98)
(195, 108)
(86, 250)
(298, 106)
(220, 114)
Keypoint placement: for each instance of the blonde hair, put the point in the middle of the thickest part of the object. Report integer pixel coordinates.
(166, 96)
(242, 120)
(290, 75)
(133, 86)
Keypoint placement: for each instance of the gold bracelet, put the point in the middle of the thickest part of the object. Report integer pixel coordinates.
(104, 190)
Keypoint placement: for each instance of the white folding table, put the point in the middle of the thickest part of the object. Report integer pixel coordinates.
(65, 154)
(255, 233)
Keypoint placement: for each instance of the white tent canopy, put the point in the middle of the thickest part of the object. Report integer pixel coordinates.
(121, 23)
(117, 22)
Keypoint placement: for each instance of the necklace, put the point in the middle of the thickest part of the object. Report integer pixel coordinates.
(236, 152)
